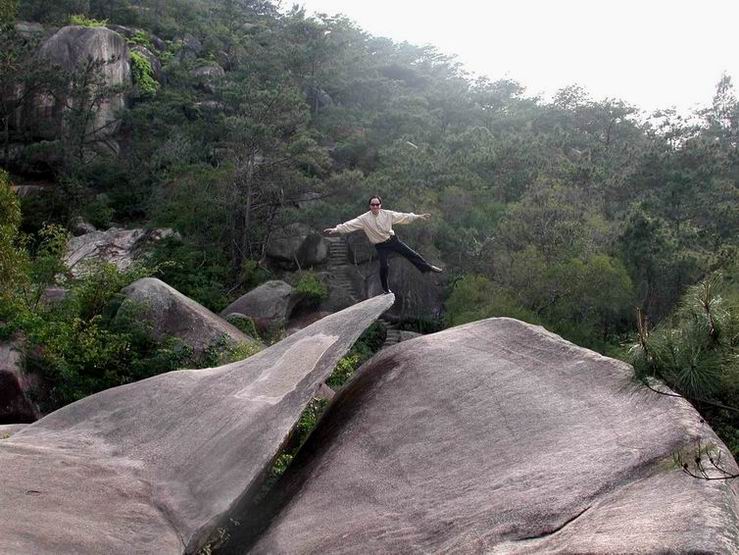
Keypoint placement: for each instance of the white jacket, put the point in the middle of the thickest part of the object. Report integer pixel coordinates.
(377, 228)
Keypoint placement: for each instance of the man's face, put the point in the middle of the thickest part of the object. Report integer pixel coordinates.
(375, 205)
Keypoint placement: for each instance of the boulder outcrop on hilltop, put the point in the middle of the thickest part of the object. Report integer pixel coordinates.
(71, 48)
(153, 466)
(499, 437)
(115, 245)
(297, 245)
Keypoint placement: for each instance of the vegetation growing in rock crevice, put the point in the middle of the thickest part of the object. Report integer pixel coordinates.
(143, 74)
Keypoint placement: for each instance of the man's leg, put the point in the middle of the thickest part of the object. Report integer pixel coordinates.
(413, 257)
(382, 253)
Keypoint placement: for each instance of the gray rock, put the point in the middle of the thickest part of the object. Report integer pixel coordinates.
(297, 245)
(158, 43)
(499, 437)
(360, 249)
(7, 430)
(269, 305)
(191, 48)
(15, 386)
(172, 314)
(81, 227)
(420, 296)
(208, 77)
(155, 466)
(29, 30)
(70, 48)
(115, 245)
(122, 30)
(54, 295)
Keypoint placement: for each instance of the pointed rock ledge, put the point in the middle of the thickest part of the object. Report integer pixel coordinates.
(151, 467)
(498, 437)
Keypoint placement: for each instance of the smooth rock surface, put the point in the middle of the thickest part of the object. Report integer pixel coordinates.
(499, 437)
(171, 314)
(70, 48)
(115, 245)
(420, 296)
(15, 386)
(297, 245)
(154, 466)
(270, 304)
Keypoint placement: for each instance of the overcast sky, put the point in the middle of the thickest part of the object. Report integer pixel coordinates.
(651, 53)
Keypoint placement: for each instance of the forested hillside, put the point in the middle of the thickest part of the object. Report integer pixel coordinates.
(571, 213)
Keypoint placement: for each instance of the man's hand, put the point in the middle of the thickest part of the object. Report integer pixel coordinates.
(330, 231)
(424, 216)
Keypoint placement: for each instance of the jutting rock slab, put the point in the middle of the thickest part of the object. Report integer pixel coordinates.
(153, 466)
(499, 437)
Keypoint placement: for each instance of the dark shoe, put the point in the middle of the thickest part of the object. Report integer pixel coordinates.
(436, 269)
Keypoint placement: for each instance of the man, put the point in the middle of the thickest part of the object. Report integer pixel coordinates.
(377, 224)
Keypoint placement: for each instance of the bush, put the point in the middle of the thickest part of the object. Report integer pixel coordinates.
(311, 288)
(84, 21)
(143, 75)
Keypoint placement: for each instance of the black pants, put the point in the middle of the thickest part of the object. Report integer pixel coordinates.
(396, 245)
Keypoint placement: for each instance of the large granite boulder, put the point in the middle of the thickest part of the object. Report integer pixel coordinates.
(499, 437)
(297, 245)
(420, 296)
(208, 76)
(169, 313)
(155, 466)
(70, 48)
(115, 245)
(360, 248)
(270, 305)
(16, 386)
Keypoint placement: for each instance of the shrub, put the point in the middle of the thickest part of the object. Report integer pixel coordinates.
(143, 75)
(84, 21)
(311, 288)
(140, 38)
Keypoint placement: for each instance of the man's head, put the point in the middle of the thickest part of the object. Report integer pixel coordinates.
(375, 203)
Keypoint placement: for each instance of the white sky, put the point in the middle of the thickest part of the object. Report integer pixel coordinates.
(650, 53)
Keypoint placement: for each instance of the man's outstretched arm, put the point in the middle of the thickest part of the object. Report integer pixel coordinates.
(406, 217)
(346, 227)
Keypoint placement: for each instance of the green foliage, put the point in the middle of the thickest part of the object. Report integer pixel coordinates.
(143, 74)
(225, 352)
(8, 10)
(200, 273)
(344, 370)
(311, 288)
(475, 297)
(696, 353)
(141, 38)
(14, 260)
(84, 21)
(245, 325)
(252, 274)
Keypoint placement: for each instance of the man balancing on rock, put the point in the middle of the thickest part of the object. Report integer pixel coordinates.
(377, 224)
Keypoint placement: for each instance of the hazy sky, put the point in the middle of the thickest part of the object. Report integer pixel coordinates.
(651, 53)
